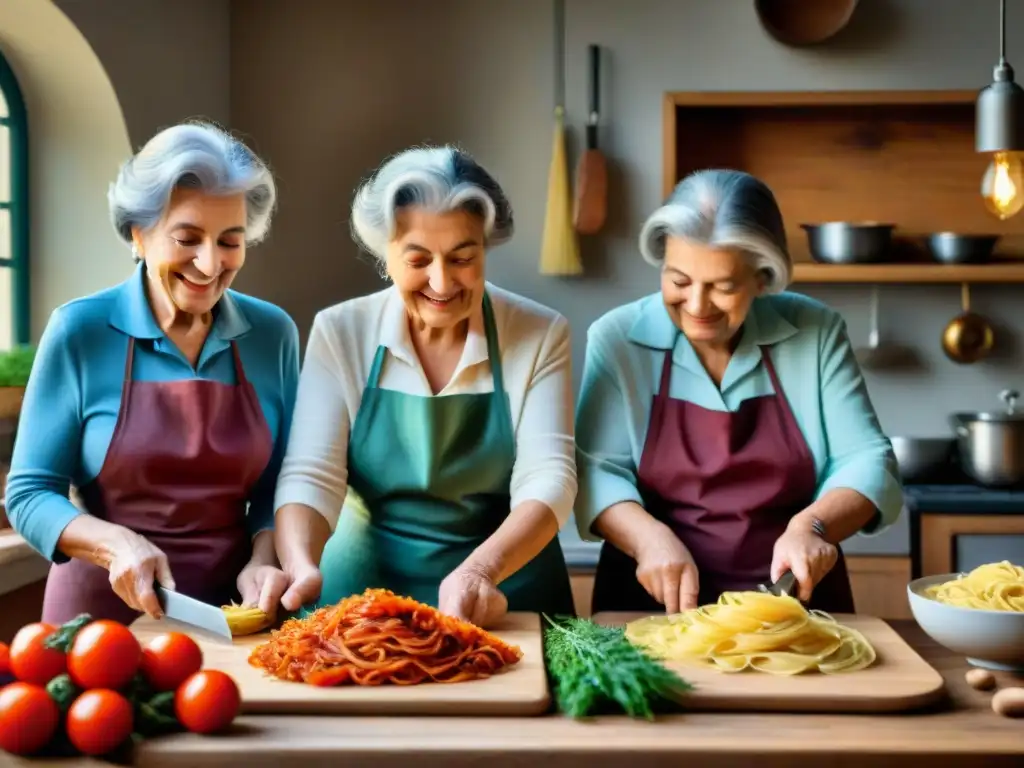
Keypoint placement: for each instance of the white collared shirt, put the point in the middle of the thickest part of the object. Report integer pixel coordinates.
(536, 359)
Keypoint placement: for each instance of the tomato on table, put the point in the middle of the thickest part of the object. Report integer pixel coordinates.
(31, 660)
(99, 721)
(170, 659)
(28, 718)
(5, 659)
(207, 702)
(104, 654)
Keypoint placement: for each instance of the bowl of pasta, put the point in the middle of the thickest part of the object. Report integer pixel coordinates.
(979, 614)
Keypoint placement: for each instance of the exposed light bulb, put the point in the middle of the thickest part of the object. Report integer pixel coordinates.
(1002, 186)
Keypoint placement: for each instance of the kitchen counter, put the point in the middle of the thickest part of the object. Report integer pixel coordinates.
(963, 499)
(963, 732)
(19, 563)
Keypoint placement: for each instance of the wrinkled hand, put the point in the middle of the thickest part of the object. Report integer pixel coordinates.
(470, 595)
(665, 568)
(135, 563)
(807, 555)
(262, 585)
(304, 584)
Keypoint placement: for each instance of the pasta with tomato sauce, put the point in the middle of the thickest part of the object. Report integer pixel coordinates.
(379, 638)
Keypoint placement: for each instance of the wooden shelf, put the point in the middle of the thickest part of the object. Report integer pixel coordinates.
(909, 273)
(905, 157)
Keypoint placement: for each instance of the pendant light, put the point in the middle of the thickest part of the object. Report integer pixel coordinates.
(999, 131)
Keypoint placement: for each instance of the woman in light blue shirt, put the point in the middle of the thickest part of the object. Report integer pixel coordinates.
(725, 434)
(166, 400)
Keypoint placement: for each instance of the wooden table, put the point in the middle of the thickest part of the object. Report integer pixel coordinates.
(963, 732)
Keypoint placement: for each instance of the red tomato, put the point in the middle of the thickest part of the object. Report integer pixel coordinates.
(104, 654)
(170, 659)
(99, 721)
(28, 718)
(31, 661)
(207, 702)
(5, 659)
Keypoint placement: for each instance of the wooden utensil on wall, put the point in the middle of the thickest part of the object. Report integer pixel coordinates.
(591, 203)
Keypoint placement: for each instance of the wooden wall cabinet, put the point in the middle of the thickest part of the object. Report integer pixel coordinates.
(938, 534)
(901, 157)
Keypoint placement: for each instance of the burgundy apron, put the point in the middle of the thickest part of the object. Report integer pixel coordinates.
(727, 484)
(181, 463)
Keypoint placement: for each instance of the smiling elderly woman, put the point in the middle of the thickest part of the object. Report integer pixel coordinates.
(725, 433)
(166, 399)
(440, 406)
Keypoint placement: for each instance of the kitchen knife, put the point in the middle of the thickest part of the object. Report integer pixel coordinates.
(783, 586)
(194, 614)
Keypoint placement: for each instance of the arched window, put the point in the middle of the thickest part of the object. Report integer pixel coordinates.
(14, 222)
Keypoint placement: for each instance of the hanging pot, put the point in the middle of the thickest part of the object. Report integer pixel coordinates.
(969, 337)
(804, 22)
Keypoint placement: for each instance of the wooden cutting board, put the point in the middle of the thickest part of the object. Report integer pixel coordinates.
(519, 690)
(899, 679)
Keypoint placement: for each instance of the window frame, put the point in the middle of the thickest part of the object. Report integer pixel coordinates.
(17, 125)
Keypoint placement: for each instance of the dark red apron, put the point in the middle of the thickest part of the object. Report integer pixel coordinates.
(182, 461)
(727, 484)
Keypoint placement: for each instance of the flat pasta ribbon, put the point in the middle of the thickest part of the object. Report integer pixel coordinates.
(379, 638)
(754, 630)
(990, 587)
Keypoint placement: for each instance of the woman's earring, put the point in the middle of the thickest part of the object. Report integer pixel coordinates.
(135, 252)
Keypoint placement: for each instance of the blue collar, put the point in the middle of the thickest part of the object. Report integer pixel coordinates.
(132, 314)
(764, 326)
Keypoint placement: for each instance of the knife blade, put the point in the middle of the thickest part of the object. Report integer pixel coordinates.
(194, 614)
(783, 586)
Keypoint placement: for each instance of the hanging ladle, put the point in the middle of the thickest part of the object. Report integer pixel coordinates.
(876, 354)
(969, 337)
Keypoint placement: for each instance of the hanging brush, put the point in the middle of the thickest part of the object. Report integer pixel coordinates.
(560, 252)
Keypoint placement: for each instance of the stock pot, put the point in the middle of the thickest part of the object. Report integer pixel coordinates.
(991, 444)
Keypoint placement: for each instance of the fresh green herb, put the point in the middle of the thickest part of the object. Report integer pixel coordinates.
(594, 667)
(15, 366)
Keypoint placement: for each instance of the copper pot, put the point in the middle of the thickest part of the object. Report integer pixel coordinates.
(968, 337)
(804, 22)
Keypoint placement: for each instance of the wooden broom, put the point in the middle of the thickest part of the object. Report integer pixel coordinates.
(560, 251)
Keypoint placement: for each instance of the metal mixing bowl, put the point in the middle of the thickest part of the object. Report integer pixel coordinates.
(922, 458)
(954, 248)
(844, 242)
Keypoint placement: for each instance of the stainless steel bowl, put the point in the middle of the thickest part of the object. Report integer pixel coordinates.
(954, 248)
(922, 458)
(843, 242)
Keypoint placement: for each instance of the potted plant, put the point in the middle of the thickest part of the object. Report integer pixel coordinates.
(15, 366)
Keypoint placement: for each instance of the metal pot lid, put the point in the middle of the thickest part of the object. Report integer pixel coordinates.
(1010, 415)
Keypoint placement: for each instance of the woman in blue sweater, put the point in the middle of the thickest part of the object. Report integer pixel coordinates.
(166, 400)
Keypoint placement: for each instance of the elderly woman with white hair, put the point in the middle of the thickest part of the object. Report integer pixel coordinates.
(432, 452)
(725, 435)
(166, 400)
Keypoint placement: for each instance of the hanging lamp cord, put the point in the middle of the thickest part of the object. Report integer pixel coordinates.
(1002, 32)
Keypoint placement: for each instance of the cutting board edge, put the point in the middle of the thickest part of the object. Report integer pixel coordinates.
(533, 707)
(930, 691)
(535, 701)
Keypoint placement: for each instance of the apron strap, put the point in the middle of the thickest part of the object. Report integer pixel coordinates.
(126, 382)
(497, 374)
(493, 350)
(666, 375)
(378, 364)
(239, 368)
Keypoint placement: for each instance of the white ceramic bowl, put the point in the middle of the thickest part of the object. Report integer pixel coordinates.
(989, 639)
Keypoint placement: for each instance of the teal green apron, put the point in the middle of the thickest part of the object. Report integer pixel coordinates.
(431, 476)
